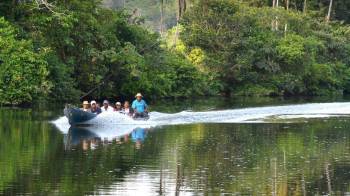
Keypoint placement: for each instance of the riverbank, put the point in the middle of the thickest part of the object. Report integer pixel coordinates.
(196, 104)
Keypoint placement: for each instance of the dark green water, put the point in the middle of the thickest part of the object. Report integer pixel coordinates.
(304, 158)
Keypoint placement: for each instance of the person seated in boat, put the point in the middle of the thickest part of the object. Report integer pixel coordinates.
(139, 107)
(86, 106)
(94, 109)
(127, 110)
(106, 107)
(118, 107)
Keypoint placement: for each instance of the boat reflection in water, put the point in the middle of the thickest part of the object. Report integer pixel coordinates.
(90, 137)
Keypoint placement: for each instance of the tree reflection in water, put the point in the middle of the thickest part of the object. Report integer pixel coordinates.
(298, 158)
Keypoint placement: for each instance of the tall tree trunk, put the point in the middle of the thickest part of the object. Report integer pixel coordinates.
(285, 29)
(305, 6)
(275, 22)
(286, 25)
(328, 17)
(181, 7)
(161, 29)
(180, 12)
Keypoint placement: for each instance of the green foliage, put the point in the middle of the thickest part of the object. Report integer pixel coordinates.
(225, 46)
(265, 51)
(23, 71)
(88, 46)
(340, 8)
(63, 85)
(291, 49)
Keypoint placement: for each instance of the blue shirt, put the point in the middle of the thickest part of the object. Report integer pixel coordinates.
(139, 106)
(138, 134)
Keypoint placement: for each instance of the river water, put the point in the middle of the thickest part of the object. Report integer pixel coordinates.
(205, 147)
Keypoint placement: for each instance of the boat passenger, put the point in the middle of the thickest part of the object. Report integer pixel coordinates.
(139, 107)
(86, 106)
(106, 107)
(127, 110)
(94, 109)
(118, 107)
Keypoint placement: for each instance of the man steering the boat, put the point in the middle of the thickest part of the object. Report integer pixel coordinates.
(140, 107)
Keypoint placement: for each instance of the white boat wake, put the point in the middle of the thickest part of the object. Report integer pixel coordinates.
(105, 122)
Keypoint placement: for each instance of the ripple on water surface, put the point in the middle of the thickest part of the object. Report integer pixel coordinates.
(192, 159)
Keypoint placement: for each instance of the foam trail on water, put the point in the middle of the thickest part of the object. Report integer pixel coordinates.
(255, 114)
(62, 124)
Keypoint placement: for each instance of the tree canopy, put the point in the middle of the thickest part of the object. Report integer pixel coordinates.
(89, 46)
(268, 51)
(64, 50)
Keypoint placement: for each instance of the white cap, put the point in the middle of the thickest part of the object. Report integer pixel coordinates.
(118, 103)
(138, 95)
(105, 101)
(93, 102)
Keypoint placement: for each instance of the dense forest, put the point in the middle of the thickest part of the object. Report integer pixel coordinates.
(66, 50)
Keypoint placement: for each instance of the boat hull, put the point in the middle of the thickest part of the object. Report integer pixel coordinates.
(76, 116)
(141, 116)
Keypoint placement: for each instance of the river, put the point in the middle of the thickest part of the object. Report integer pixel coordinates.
(260, 146)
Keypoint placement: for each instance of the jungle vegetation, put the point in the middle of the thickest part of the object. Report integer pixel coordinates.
(69, 50)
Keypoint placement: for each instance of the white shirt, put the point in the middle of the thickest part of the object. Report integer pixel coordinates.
(109, 109)
(126, 111)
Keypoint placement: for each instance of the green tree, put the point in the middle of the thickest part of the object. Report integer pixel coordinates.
(23, 71)
(253, 54)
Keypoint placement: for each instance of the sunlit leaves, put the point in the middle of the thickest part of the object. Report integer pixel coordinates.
(247, 46)
(291, 49)
(23, 72)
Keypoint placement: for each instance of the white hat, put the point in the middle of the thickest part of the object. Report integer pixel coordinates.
(93, 102)
(85, 103)
(118, 103)
(138, 95)
(105, 101)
